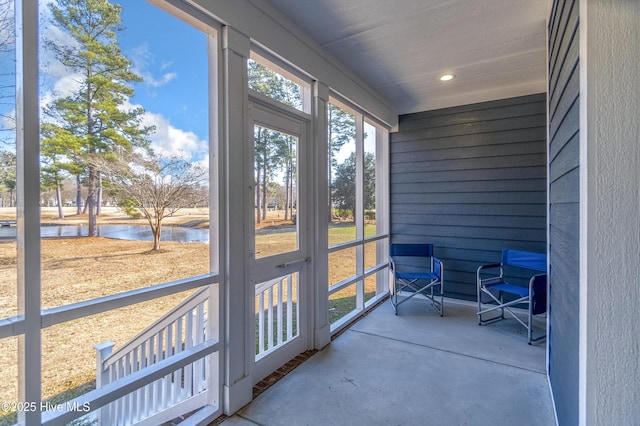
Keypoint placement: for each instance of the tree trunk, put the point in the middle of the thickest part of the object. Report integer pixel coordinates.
(92, 230)
(291, 199)
(99, 197)
(291, 181)
(156, 238)
(264, 190)
(59, 200)
(93, 174)
(156, 228)
(290, 178)
(329, 136)
(258, 195)
(287, 201)
(78, 195)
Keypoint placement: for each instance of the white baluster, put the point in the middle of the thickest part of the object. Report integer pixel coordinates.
(159, 402)
(270, 319)
(261, 323)
(279, 313)
(169, 352)
(124, 407)
(199, 338)
(177, 380)
(133, 407)
(188, 369)
(149, 402)
(142, 402)
(289, 307)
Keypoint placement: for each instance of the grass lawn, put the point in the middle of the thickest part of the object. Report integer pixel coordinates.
(78, 269)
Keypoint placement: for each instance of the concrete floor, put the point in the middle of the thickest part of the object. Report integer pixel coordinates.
(414, 369)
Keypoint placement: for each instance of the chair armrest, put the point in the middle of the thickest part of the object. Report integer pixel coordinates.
(490, 266)
(392, 264)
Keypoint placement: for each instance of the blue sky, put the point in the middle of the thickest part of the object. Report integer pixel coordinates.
(172, 57)
(169, 54)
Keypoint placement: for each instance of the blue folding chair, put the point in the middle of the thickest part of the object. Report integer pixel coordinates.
(492, 288)
(415, 271)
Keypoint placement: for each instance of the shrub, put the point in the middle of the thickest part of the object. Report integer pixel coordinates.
(129, 207)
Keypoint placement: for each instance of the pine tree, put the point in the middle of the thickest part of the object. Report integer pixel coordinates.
(273, 151)
(341, 131)
(93, 121)
(8, 177)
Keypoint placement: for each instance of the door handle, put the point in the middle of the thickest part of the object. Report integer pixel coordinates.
(295, 262)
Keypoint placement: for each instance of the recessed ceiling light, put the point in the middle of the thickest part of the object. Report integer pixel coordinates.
(447, 77)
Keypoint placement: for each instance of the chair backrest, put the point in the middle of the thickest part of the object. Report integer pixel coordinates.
(525, 259)
(418, 250)
(437, 268)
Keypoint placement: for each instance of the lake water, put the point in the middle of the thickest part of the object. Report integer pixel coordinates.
(121, 232)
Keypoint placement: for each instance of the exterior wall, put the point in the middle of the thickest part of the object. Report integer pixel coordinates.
(610, 194)
(564, 208)
(472, 181)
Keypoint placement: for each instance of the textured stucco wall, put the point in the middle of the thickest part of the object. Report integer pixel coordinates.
(611, 367)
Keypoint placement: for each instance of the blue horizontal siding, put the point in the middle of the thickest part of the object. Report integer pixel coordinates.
(472, 181)
(564, 208)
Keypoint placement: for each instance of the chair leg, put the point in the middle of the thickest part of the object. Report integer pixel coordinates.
(530, 319)
(394, 299)
(478, 299)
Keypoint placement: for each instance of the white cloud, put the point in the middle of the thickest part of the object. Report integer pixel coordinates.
(51, 33)
(141, 58)
(148, 78)
(166, 141)
(203, 163)
(68, 85)
(62, 87)
(170, 141)
(166, 64)
(8, 120)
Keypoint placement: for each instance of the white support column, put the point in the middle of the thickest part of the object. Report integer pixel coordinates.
(28, 209)
(382, 205)
(216, 315)
(609, 221)
(322, 328)
(359, 213)
(239, 330)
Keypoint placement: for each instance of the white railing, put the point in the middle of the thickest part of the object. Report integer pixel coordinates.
(184, 327)
(276, 313)
(177, 393)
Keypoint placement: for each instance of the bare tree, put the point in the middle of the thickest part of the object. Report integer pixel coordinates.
(158, 187)
(7, 177)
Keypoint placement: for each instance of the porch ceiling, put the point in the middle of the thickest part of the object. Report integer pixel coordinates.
(495, 48)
